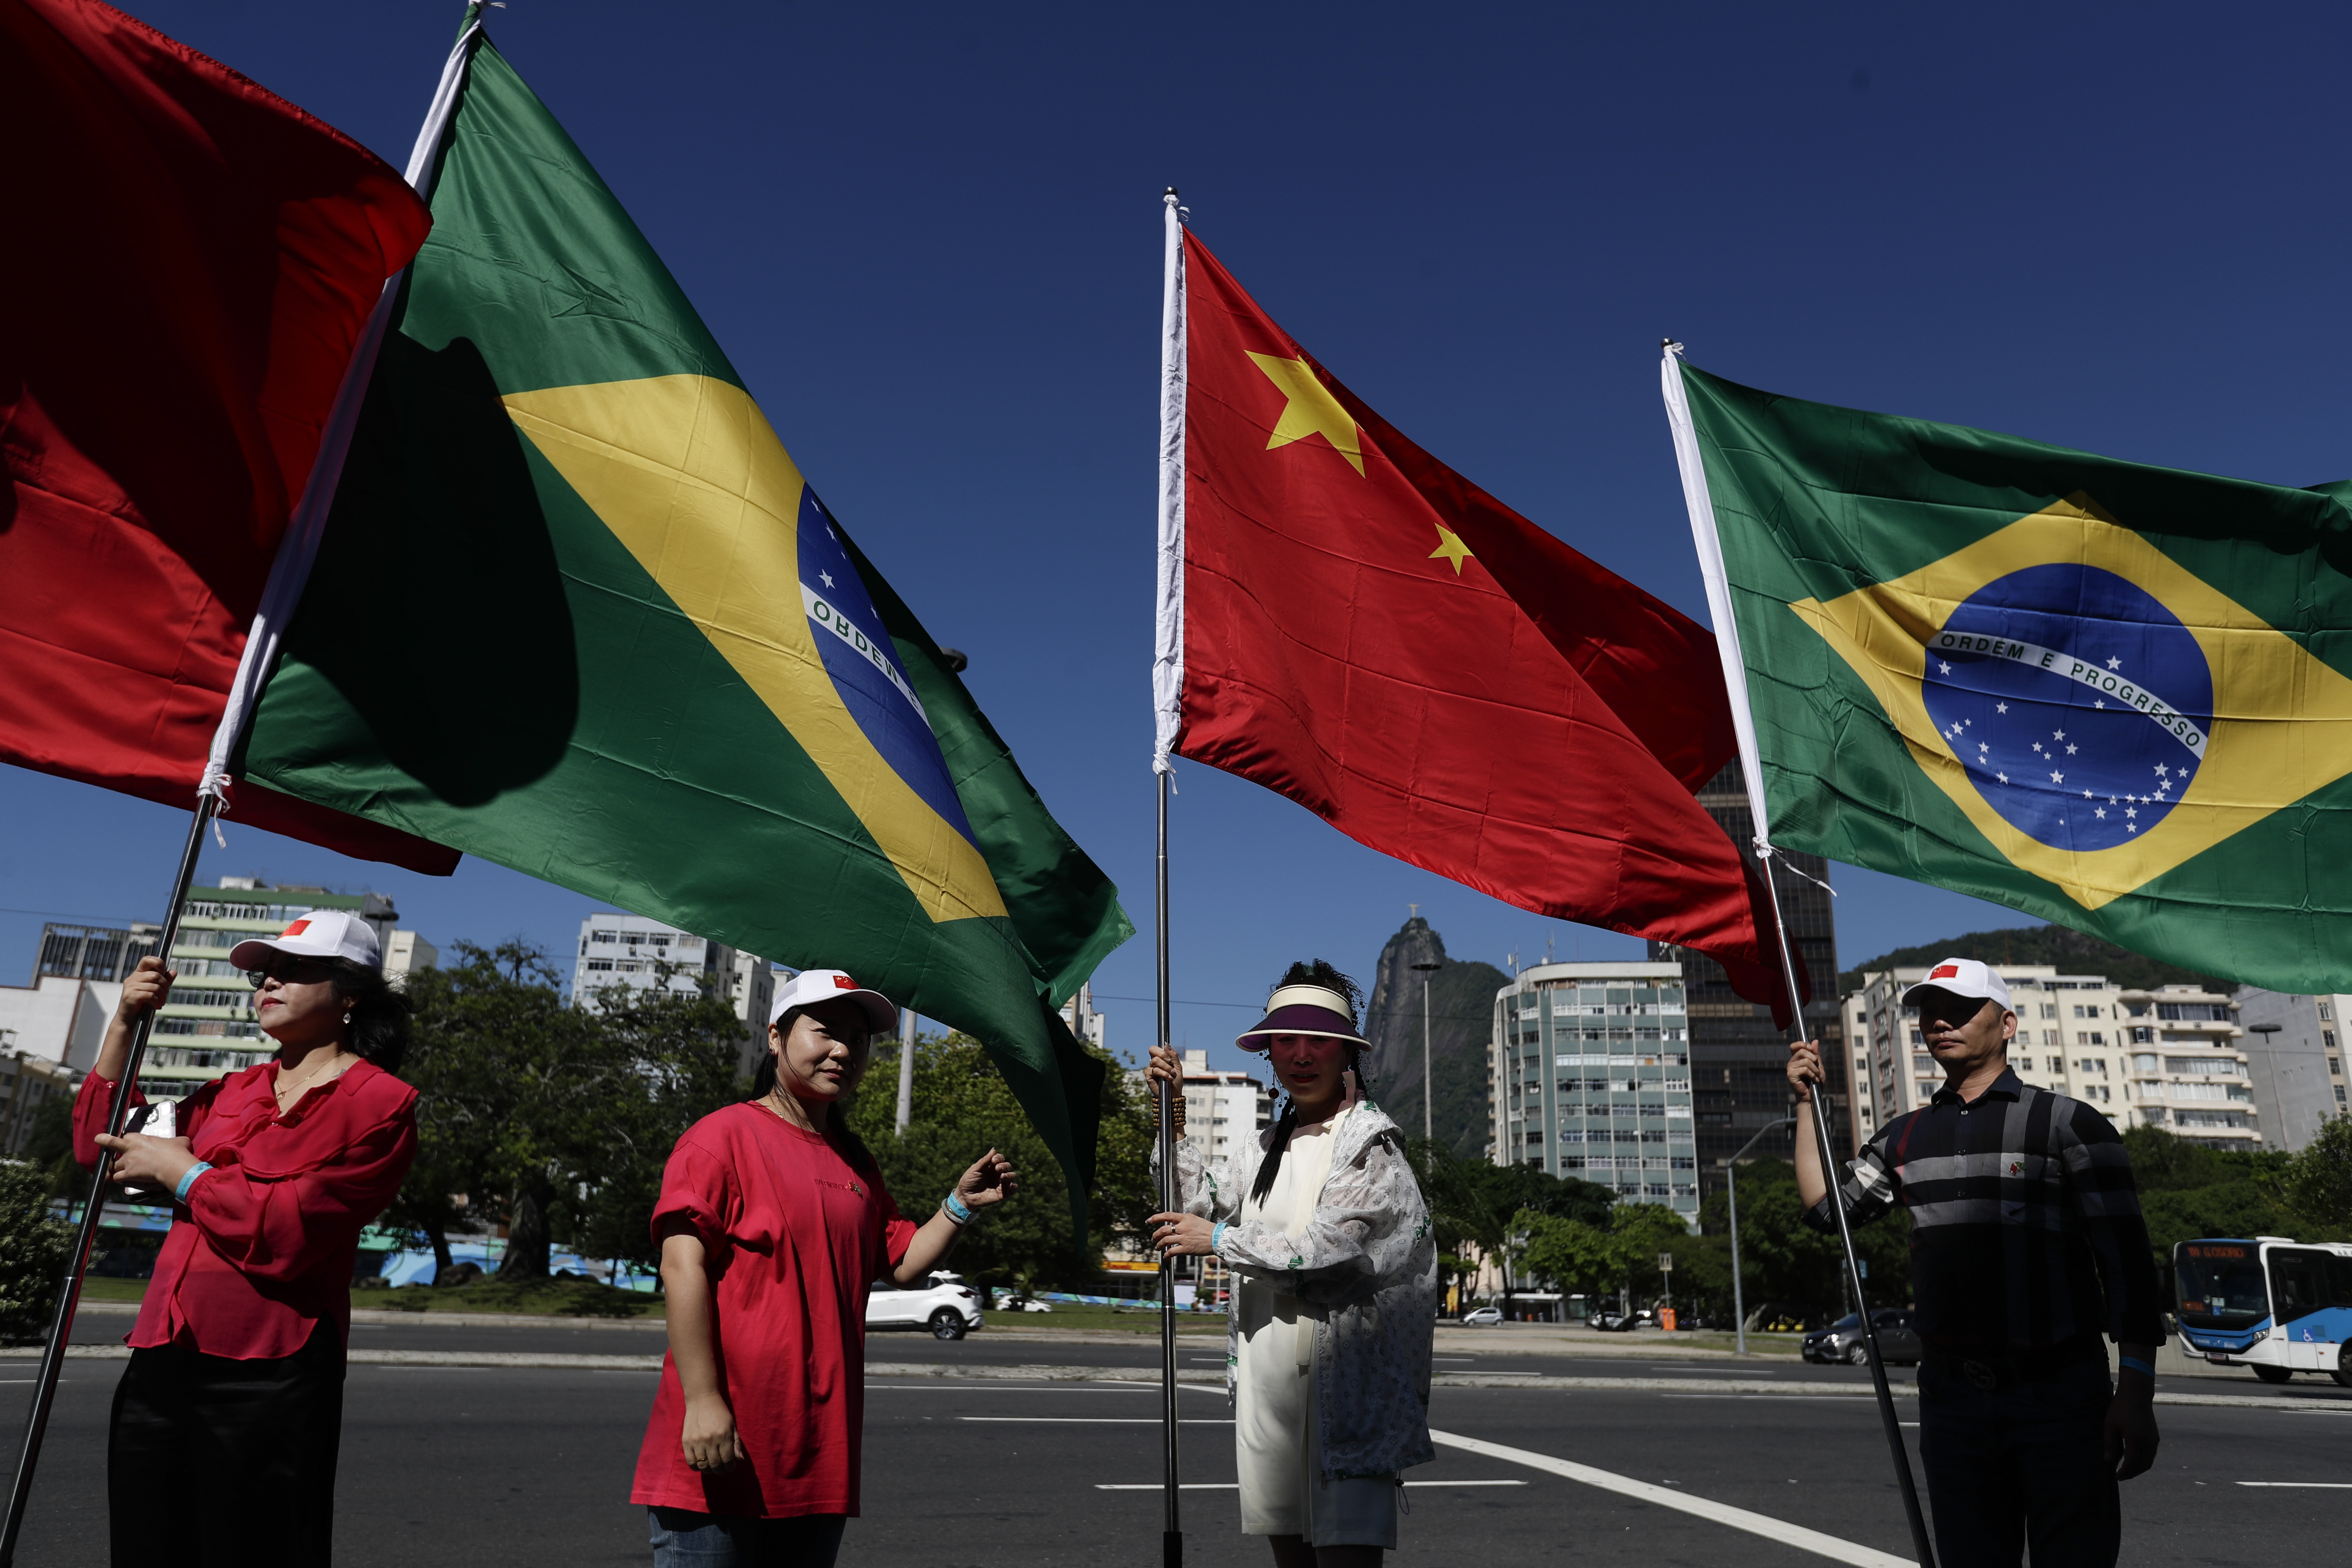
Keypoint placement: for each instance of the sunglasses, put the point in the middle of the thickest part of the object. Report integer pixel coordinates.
(292, 970)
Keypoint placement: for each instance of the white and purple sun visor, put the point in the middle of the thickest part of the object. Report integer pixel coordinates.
(1302, 1010)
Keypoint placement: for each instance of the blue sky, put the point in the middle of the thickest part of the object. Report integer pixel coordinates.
(929, 235)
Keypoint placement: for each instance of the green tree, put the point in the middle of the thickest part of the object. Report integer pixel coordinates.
(49, 1147)
(32, 1252)
(557, 1120)
(963, 1109)
(1576, 1256)
(1785, 1261)
(2188, 1191)
(2317, 1182)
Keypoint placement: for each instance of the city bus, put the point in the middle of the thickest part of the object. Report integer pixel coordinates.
(2277, 1306)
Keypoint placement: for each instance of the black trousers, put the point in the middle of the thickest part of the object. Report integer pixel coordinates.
(217, 1463)
(2020, 1465)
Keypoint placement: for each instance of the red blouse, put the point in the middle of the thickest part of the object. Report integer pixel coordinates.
(262, 1251)
(794, 1230)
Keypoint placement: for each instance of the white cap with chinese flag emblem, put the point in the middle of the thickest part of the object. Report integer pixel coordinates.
(321, 933)
(1962, 977)
(810, 986)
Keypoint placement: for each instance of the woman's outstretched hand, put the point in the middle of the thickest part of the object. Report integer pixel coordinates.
(1164, 1068)
(1182, 1234)
(991, 1180)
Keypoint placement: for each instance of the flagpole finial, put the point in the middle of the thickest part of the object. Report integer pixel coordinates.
(1669, 347)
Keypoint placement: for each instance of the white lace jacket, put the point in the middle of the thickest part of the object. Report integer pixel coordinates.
(1366, 1267)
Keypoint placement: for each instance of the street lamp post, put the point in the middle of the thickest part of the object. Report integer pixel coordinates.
(1428, 1089)
(1731, 1187)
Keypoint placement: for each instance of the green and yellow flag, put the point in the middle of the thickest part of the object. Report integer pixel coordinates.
(578, 612)
(2115, 696)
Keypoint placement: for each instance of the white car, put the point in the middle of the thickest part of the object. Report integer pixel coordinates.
(1006, 1302)
(1483, 1316)
(944, 1304)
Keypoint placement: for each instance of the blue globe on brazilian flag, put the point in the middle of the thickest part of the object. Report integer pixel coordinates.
(2111, 695)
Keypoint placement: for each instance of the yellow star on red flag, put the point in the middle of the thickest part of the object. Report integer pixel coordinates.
(1311, 411)
(1451, 548)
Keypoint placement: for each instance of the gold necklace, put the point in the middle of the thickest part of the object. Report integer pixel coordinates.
(283, 1087)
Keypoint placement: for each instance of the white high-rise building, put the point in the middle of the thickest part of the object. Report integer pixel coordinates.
(632, 951)
(2080, 1034)
(1222, 1107)
(1589, 1069)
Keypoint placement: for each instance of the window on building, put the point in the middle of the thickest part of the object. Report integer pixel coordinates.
(600, 963)
(2143, 1037)
(2336, 1068)
(2097, 1038)
(604, 936)
(2096, 1090)
(2326, 1012)
(2193, 1012)
(2050, 1009)
(2328, 1038)
(2057, 1065)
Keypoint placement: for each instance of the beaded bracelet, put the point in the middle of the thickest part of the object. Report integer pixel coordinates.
(180, 1193)
(956, 1209)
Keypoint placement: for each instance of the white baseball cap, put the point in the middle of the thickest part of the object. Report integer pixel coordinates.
(1962, 977)
(813, 986)
(320, 933)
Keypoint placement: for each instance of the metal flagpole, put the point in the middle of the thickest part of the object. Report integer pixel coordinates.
(905, 1068)
(287, 573)
(69, 1288)
(1743, 722)
(1172, 1538)
(1167, 700)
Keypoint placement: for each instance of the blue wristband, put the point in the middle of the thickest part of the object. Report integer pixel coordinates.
(957, 1209)
(1217, 1234)
(2132, 1364)
(180, 1193)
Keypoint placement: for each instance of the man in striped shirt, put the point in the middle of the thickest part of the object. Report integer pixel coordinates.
(2027, 1244)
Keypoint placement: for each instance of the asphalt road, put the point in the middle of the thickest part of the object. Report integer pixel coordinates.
(533, 1466)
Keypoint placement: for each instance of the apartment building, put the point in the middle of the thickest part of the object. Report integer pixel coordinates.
(636, 953)
(1222, 1107)
(1590, 1069)
(2296, 1062)
(2080, 1034)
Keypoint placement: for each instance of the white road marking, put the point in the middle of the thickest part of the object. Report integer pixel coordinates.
(1101, 1420)
(2308, 1486)
(1235, 1486)
(1771, 1529)
(1033, 1387)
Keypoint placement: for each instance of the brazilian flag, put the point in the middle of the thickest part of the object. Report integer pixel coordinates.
(2115, 696)
(576, 611)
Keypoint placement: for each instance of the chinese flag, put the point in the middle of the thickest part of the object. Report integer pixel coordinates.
(190, 261)
(1362, 629)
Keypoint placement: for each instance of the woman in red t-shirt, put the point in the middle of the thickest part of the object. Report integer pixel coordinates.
(772, 1222)
(235, 1390)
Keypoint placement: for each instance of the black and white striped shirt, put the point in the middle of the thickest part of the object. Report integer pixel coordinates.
(2025, 1227)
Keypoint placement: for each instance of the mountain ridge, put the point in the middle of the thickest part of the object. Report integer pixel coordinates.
(2070, 951)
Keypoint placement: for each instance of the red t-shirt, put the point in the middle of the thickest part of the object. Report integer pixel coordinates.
(262, 1251)
(794, 1230)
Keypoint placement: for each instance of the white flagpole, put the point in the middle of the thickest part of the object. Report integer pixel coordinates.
(1166, 693)
(297, 548)
(1701, 506)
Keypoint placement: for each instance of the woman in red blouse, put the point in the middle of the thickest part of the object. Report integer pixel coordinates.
(772, 1221)
(235, 1389)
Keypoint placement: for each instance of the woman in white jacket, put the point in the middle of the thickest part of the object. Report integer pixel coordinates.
(1328, 1332)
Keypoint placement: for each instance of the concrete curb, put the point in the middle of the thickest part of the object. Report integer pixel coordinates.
(1205, 1376)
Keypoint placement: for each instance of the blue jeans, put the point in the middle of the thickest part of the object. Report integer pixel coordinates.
(684, 1539)
(2021, 1464)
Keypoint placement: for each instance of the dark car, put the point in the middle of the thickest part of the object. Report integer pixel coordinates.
(1898, 1339)
(1614, 1322)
